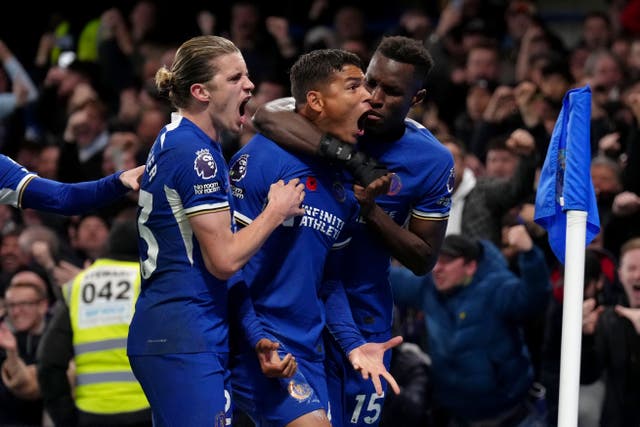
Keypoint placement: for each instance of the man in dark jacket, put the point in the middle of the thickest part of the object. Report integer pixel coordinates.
(611, 344)
(474, 308)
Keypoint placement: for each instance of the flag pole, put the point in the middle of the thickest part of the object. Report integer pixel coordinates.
(566, 207)
(572, 319)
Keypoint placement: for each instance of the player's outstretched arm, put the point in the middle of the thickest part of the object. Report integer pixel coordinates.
(78, 198)
(25, 189)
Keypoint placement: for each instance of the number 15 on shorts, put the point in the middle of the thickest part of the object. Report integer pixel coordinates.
(371, 413)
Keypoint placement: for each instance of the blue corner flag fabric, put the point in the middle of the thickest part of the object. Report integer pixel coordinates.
(565, 181)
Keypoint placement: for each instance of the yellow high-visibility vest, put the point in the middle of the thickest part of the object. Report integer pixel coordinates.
(101, 303)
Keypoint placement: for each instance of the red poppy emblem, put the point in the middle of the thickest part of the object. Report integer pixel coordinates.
(312, 183)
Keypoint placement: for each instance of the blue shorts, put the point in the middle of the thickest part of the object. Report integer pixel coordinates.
(275, 402)
(354, 401)
(185, 389)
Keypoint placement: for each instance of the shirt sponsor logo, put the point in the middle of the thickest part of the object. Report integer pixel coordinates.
(237, 192)
(238, 169)
(209, 188)
(322, 221)
(204, 164)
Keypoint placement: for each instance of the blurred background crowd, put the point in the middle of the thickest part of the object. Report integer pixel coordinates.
(77, 102)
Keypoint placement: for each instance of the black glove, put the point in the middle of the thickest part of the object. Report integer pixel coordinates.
(365, 169)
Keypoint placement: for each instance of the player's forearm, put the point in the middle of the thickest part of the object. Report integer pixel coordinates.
(339, 318)
(245, 243)
(72, 199)
(244, 313)
(289, 130)
(405, 246)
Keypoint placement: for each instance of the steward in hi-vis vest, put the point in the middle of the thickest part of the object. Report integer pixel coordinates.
(91, 326)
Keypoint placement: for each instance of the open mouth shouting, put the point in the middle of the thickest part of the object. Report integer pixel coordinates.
(242, 110)
(361, 123)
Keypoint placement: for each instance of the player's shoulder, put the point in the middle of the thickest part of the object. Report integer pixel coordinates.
(11, 172)
(417, 132)
(419, 138)
(179, 133)
(268, 152)
(259, 157)
(8, 163)
(259, 145)
(182, 139)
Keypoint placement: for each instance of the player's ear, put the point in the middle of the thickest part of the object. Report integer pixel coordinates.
(418, 97)
(200, 92)
(315, 101)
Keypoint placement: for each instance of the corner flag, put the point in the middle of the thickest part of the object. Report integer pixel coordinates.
(565, 182)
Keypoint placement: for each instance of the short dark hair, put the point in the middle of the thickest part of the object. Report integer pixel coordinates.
(317, 68)
(408, 51)
(123, 241)
(558, 67)
(457, 245)
(498, 142)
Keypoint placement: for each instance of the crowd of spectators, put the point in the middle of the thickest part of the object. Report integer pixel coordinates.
(80, 103)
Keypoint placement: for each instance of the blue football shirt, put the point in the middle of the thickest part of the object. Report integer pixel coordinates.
(422, 187)
(182, 308)
(284, 276)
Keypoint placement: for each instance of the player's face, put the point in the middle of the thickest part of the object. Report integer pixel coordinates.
(230, 90)
(346, 101)
(393, 88)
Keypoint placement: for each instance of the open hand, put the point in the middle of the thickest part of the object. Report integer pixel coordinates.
(368, 360)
